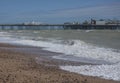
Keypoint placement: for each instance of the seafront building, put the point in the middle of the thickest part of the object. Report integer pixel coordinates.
(96, 22)
(105, 22)
(33, 23)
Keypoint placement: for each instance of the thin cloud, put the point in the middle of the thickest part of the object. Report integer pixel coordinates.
(109, 10)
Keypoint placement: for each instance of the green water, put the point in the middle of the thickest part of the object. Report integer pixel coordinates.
(103, 38)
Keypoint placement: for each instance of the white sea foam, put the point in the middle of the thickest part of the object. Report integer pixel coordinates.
(77, 48)
(89, 31)
(103, 71)
(69, 47)
(4, 34)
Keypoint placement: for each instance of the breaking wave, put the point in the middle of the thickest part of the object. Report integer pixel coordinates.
(76, 48)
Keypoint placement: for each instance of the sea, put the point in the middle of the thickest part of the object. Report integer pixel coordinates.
(100, 47)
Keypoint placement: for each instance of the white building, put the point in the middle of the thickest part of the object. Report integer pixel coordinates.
(100, 22)
(33, 23)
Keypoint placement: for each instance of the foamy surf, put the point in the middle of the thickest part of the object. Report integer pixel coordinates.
(75, 48)
(103, 71)
(79, 49)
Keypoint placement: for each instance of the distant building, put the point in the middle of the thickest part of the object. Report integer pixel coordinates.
(33, 23)
(75, 23)
(71, 23)
(98, 22)
(112, 22)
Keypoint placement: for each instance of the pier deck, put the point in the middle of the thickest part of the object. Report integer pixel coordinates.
(56, 26)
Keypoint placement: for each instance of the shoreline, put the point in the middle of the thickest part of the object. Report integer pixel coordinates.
(17, 66)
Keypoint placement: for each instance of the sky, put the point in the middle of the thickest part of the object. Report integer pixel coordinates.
(57, 11)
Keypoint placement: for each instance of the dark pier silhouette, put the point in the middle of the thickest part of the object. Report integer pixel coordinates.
(89, 27)
(57, 26)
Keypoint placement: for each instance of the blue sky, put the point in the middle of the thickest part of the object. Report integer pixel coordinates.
(57, 11)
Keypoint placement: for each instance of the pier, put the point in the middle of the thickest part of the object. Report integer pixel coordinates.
(89, 27)
(57, 26)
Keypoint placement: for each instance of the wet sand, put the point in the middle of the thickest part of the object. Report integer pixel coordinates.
(17, 65)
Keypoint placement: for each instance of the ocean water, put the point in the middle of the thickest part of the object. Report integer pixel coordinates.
(89, 45)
